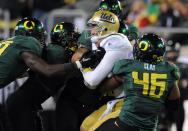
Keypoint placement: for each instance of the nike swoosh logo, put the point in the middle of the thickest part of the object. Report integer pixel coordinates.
(86, 59)
(116, 124)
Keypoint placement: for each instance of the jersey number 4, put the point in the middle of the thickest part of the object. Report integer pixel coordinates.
(153, 84)
(4, 45)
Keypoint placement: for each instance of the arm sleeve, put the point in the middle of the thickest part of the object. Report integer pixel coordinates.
(117, 48)
(120, 67)
(29, 44)
(93, 78)
(176, 72)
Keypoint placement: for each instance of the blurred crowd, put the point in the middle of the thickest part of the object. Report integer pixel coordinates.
(143, 13)
(163, 13)
(170, 13)
(166, 13)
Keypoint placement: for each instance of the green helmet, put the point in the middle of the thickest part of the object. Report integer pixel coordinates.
(172, 50)
(66, 35)
(113, 6)
(129, 30)
(31, 27)
(150, 48)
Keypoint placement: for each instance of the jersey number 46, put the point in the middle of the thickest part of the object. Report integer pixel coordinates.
(153, 84)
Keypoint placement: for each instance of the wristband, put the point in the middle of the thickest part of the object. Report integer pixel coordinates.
(79, 65)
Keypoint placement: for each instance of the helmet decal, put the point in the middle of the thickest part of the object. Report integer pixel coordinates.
(29, 25)
(150, 49)
(143, 45)
(57, 27)
(107, 18)
(106, 21)
(104, 6)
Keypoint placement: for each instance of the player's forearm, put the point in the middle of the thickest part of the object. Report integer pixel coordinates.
(110, 84)
(94, 78)
(38, 65)
(60, 69)
(53, 70)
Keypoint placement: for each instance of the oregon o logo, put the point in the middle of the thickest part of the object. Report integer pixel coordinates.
(143, 45)
(29, 25)
(58, 27)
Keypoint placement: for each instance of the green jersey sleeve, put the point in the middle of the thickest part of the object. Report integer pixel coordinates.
(175, 71)
(121, 67)
(85, 40)
(28, 44)
(133, 32)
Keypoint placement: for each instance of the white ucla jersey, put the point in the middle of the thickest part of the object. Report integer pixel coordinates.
(117, 47)
(116, 42)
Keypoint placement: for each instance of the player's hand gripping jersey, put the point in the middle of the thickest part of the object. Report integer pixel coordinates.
(104, 26)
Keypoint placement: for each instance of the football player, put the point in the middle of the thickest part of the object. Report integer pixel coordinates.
(113, 106)
(113, 6)
(125, 28)
(26, 101)
(149, 83)
(116, 46)
(104, 28)
(23, 52)
(29, 37)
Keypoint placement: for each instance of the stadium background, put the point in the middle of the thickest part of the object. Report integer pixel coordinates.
(169, 18)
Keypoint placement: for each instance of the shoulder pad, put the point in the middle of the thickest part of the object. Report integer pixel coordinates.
(121, 65)
(115, 42)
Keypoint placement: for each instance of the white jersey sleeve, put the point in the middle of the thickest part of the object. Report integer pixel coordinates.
(117, 47)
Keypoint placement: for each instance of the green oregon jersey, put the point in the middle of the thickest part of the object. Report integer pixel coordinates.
(56, 54)
(85, 40)
(146, 87)
(11, 65)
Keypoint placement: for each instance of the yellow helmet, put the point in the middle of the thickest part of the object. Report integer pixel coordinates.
(106, 21)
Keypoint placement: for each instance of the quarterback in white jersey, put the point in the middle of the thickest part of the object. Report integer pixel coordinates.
(117, 46)
(104, 30)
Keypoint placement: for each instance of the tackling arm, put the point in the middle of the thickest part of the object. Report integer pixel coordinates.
(110, 84)
(92, 79)
(38, 65)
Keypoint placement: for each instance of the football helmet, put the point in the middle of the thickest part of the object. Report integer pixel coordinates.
(106, 23)
(31, 27)
(113, 6)
(172, 50)
(150, 48)
(129, 30)
(66, 35)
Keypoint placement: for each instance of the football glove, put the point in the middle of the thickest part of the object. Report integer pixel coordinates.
(91, 58)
